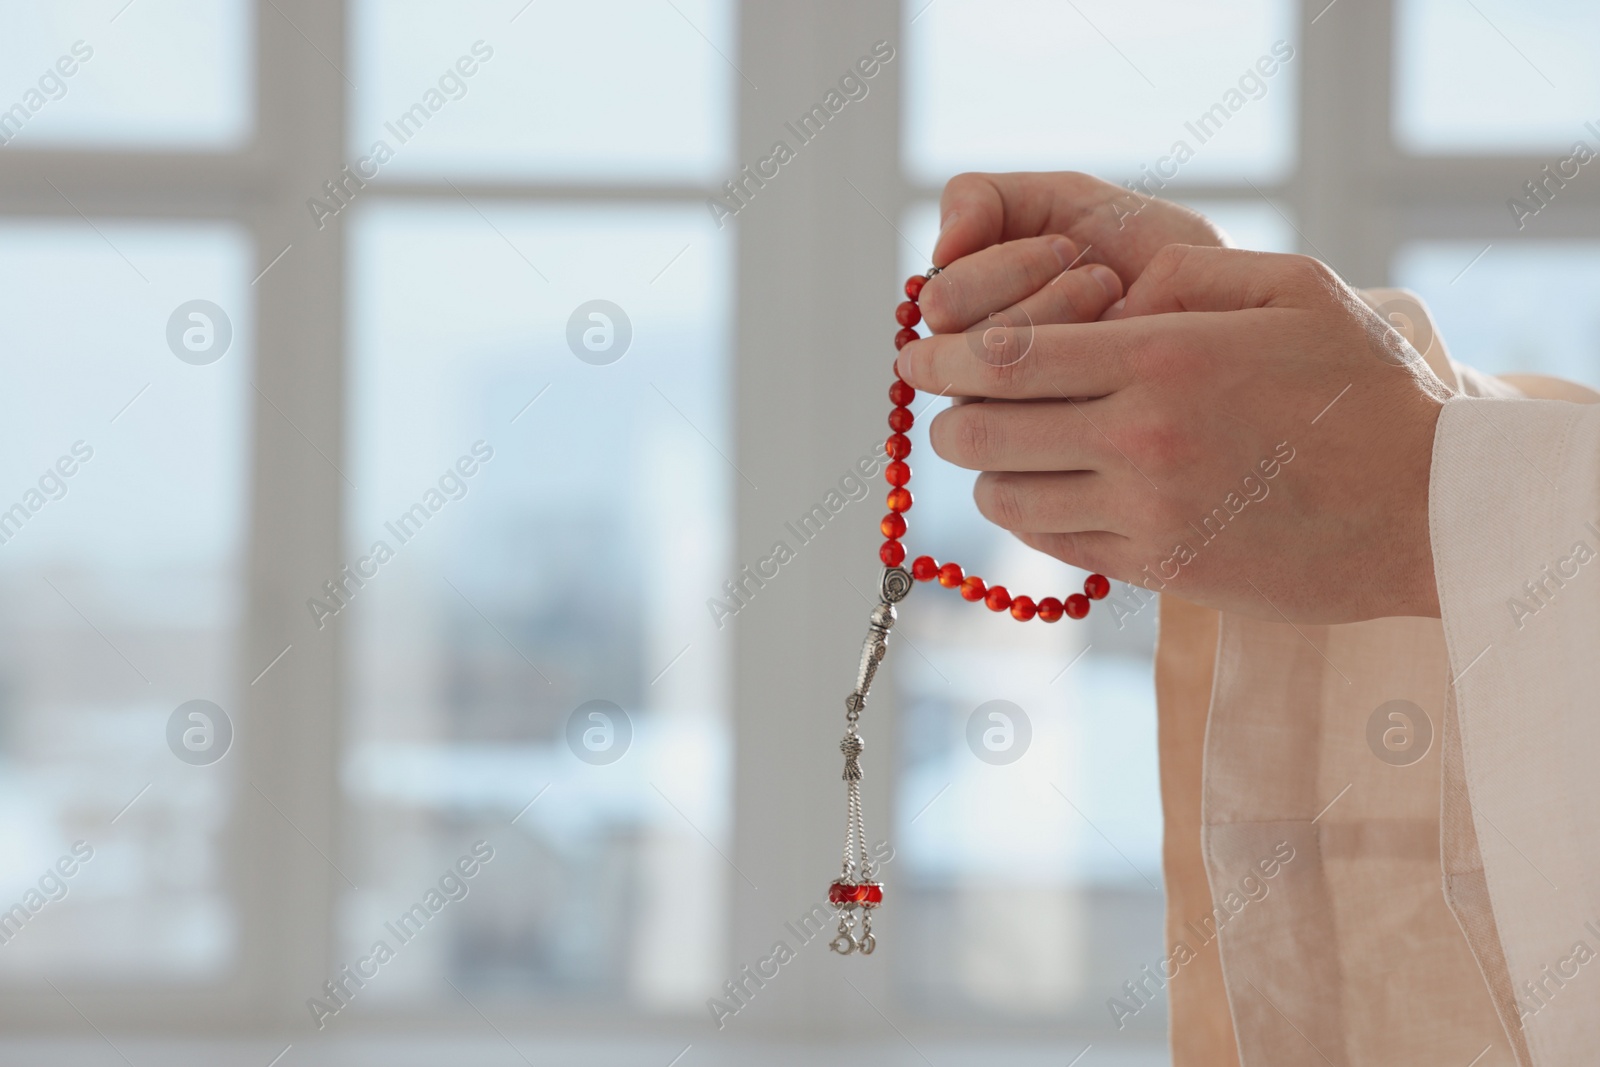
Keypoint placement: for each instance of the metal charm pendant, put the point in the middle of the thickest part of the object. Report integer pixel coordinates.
(856, 890)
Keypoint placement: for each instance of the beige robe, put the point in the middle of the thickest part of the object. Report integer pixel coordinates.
(1435, 783)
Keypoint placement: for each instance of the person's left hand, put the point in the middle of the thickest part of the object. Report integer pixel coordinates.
(1244, 432)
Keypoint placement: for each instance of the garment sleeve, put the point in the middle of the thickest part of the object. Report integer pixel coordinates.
(1514, 515)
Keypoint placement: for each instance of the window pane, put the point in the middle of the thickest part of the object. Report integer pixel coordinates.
(1252, 224)
(1101, 86)
(557, 521)
(605, 90)
(1495, 75)
(122, 476)
(148, 74)
(1073, 825)
(1531, 307)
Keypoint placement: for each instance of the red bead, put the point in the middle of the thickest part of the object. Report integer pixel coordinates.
(898, 472)
(898, 446)
(907, 314)
(900, 394)
(900, 499)
(914, 286)
(1050, 610)
(950, 575)
(924, 568)
(893, 525)
(998, 599)
(901, 419)
(1023, 609)
(1096, 586)
(972, 588)
(905, 337)
(868, 895)
(1077, 606)
(893, 552)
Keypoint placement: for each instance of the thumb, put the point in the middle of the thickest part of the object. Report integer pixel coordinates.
(1197, 278)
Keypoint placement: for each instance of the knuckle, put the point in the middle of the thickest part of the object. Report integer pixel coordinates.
(1012, 377)
(1168, 261)
(1308, 273)
(977, 435)
(963, 435)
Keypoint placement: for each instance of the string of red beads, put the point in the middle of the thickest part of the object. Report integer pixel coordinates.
(898, 474)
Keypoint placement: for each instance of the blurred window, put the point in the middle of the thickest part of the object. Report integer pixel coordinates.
(609, 91)
(1494, 76)
(132, 74)
(1528, 308)
(1101, 86)
(123, 484)
(583, 506)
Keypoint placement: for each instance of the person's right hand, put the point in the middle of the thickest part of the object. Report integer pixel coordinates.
(1001, 243)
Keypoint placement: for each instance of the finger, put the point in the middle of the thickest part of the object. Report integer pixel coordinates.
(992, 279)
(1025, 435)
(1049, 362)
(1100, 551)
(1047, 501)
(1109, 222)
(979, 210)
(1078, 295)
(1193, 278)
(1082, 294)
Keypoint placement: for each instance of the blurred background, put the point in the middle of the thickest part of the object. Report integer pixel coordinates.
(392, 390)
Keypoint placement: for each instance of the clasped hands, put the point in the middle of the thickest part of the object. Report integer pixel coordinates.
(1236, 428)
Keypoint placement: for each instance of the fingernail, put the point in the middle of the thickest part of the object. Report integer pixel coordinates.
(1118, 306)
(1108, 281)
(948, 221)
(1066, 250)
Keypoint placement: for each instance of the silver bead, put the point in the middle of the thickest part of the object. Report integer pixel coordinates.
(895, 584)
(873, 649)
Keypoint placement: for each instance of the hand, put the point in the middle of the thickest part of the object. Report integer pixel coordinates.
(1005, 236)
(1243, 432)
